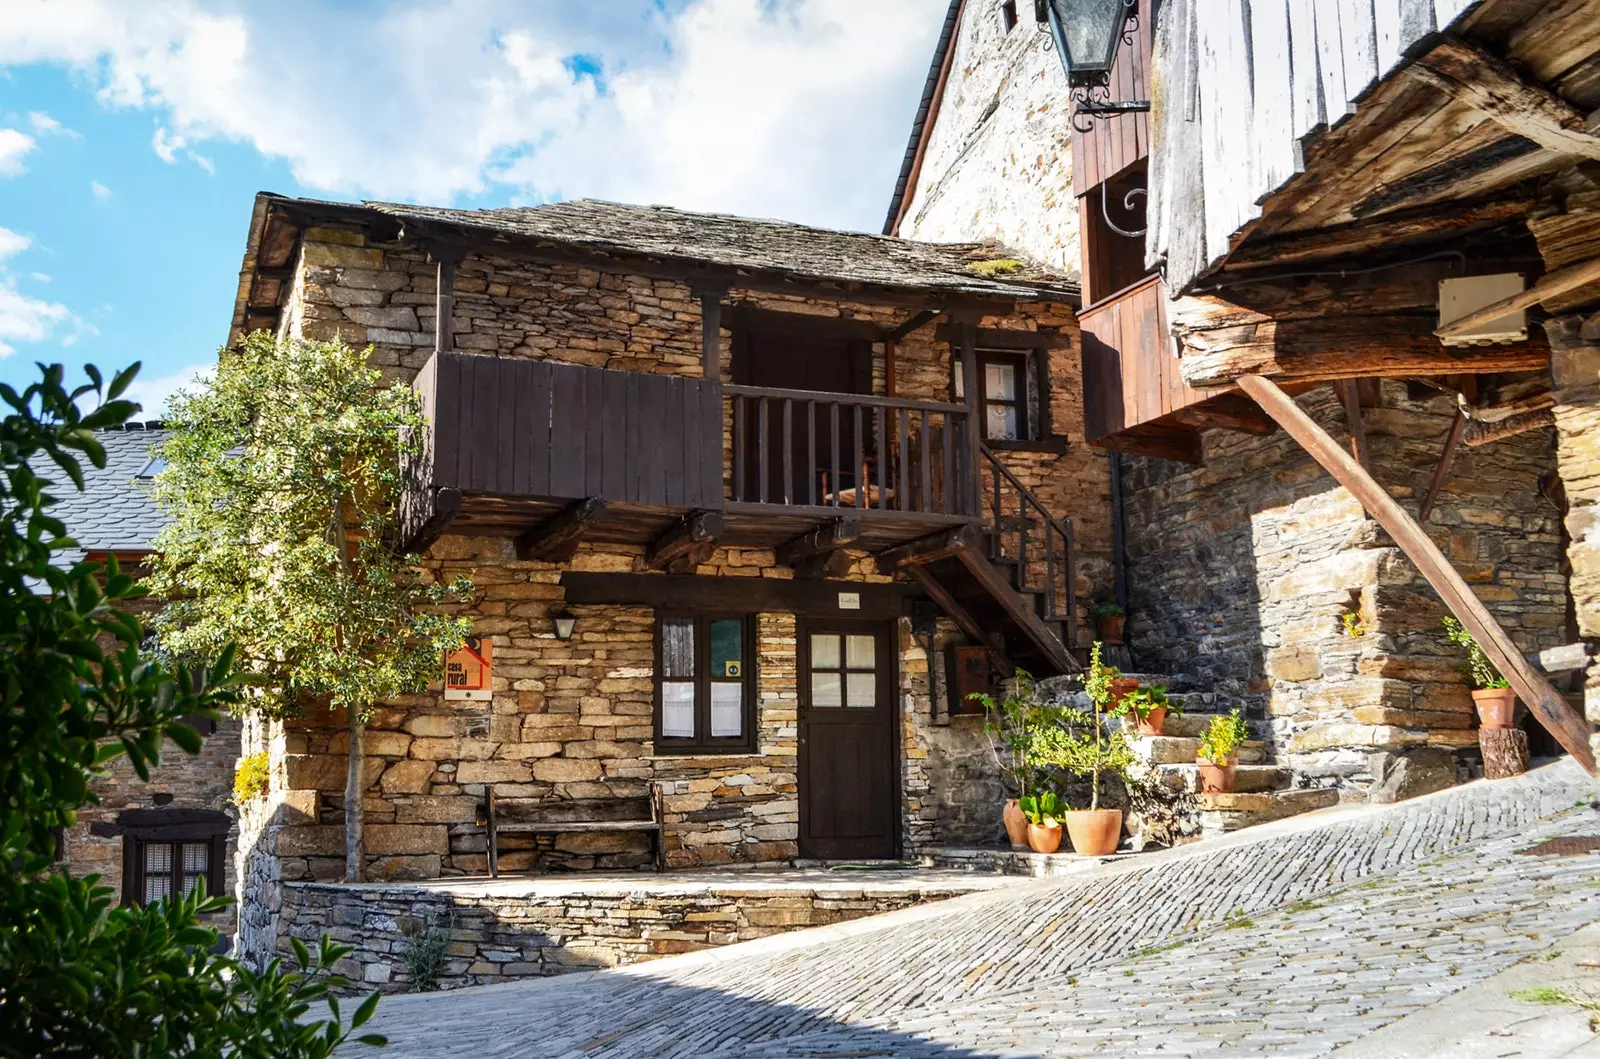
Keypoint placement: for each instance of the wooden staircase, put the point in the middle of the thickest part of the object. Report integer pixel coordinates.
(1008, 580)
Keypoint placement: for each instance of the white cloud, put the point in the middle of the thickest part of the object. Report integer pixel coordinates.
(28, 319)
(154, 394)
(795, 108)
(45, 125)
(99, 190)
(13, 145)
(39, 277)
(12, 243)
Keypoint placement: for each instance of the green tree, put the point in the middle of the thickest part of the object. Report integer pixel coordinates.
(78, 977)
(283, 478)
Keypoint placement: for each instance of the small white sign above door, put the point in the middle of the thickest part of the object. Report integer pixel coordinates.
(849, 600)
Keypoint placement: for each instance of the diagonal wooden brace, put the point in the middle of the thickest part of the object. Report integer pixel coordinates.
(1569, 729)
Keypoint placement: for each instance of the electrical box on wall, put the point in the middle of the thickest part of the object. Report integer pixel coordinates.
(966, 671)
(1458, 297)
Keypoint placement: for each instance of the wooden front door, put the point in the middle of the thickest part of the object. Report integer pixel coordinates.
(849, 761)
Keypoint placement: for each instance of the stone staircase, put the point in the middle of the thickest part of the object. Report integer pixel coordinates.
(1262, 792)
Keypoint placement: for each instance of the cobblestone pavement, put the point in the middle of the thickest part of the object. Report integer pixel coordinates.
(1288, 942)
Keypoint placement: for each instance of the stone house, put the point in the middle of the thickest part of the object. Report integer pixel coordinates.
(747, 507)
(1293, 219)
(148, 840)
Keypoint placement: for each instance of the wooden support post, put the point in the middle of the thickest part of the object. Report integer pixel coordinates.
(1451, 442)
(687, 544)
(971, 383)
(1569, 729)
(1351, 393)
(444, 301)
(711, 332)
(811, 554)
(1505, 752)
(555, 540)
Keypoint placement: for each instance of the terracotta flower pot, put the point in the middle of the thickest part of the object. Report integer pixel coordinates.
(1044, 838)
(1155, 723)
(1110, 629)
(1120, 688)
(1216, 777)
(1095, 832)
(1016, 824)
(1496, 706)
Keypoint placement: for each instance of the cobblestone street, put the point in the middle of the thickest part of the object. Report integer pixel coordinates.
(1289, 940)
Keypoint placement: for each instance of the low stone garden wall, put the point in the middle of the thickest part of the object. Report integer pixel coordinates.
(496, 936)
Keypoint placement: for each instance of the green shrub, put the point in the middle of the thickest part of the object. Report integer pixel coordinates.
(250, 777)
(1479, 668)
(1222, 738)
(426, 944)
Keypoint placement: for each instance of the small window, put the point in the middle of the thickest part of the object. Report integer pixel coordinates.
(1008, 15)
(705, 691)
(153, 467)
(167, 869)
(1010, 398)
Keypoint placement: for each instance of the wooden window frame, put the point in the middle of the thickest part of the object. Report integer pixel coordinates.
(133, 873)
(1034, 377)
(703, 743)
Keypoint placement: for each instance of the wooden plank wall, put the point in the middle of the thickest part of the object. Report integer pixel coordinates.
(1113, 144)
(1236, 87)
(513, 427)
(1130, 373)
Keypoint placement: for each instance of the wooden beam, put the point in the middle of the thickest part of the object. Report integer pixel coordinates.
(1552, 283)
(555, 540)
(1481, 432)
(971, 387)
(810, 553)
(1351, 394)
(917, 320)
(1451, 442)
(711, 332)
(446, 256)
(687, 544)
(929, 549)
(1468, 74)
(1569, 729)
(1006, 596)
(739, 595)
(444, 506)
(1205, 416)
(961, 616)
(1154, 439)
(1343, 347)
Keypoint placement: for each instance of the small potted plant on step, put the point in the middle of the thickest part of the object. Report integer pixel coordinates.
(1108, 621)
(1219, 752)
(1013, 724)
(1491, 692)
(1043, 812)
(1148, 709)
(1082, 746)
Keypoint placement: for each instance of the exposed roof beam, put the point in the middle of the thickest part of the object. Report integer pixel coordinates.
(556, 538)
(687, 544)
(1489, 85)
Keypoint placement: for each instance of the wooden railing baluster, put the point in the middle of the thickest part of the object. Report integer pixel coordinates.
(859, 466)
(902, 461)
(788, 451)
(739, 445)
(811, 453)
(950, 500)
(926, 468)
(761, 451)
(833, 451)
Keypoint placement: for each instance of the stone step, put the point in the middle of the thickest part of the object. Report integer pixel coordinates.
(1246, 778)
(1222, 813)
(1181, 750)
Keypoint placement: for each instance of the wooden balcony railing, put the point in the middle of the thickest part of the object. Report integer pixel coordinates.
(802, 448)
(1022, 533)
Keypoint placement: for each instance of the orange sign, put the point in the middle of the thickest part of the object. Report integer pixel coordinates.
(469, 671)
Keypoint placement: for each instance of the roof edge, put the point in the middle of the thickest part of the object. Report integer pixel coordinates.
(927, 111)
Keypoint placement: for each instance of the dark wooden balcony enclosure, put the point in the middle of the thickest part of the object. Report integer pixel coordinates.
(552, 454)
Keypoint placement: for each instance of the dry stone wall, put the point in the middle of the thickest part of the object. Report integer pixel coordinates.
(998, 161)
(1575, 369)
(1242, 568)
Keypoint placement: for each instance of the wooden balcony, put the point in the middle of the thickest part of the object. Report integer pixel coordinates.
(1134, 396)
(550, 453)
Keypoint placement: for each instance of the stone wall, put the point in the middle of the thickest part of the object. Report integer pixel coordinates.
(998, 161)
(1242, 568)
(1575, 370)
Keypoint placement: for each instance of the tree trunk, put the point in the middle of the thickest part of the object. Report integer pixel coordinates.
(355, 850)
(1505, 752)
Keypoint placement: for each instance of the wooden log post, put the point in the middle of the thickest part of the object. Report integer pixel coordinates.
(444, 302)
(1569, 729)
(1505, 752)
(711, 331)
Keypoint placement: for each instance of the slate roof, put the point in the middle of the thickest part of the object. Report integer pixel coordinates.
(778, 248)
(114, 512)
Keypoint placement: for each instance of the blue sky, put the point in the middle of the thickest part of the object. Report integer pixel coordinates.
(133, 136)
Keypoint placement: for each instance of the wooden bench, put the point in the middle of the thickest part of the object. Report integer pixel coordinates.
(543, 816)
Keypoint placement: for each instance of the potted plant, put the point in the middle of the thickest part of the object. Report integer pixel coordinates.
(1149, 709)
(1108, 621)
(1012, 725)
(1043, 812)
(1491, 692)
(1081, 745)
(1219, 752)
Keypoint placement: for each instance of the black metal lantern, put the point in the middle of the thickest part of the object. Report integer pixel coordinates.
(1086, 33)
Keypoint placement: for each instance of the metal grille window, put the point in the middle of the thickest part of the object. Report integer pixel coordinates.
(166, 869)
(170, 851)
(705, 692)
